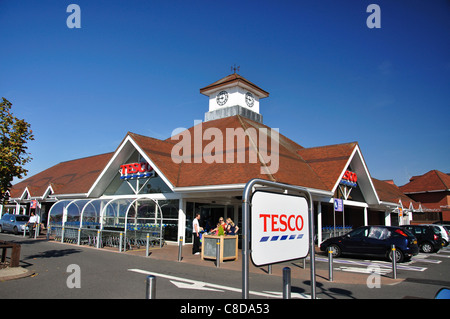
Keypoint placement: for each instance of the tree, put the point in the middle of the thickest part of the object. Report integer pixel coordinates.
(14, 135)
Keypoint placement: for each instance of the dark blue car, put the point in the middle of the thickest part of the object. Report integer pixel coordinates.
(374, 241)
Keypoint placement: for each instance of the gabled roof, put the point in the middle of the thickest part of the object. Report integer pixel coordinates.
(432, 181)
(217, 161)
(328, 161)
(71, 177)
(389, 192)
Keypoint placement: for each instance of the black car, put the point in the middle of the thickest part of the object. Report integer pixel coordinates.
(374, 241)
(428, 237)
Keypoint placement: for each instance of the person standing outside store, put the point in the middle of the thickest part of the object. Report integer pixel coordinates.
(196, 229)
(32, 224)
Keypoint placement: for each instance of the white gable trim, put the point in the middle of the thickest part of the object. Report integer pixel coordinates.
(25, 195)
(365, 183)
(121, 155)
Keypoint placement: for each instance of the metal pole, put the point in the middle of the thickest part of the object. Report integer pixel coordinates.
(120, 242)
(330, 264)
(246, 239)
(180, 248)
(269, 269)
(312, 252)
(150, 292)
(146, 246)
(394, 262)
(218, 253)
(286, 283)
(79, 237)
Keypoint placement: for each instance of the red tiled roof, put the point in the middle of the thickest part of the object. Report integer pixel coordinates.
(432, 181)
(389, 192)
(328, 161)
(292, 168)
(71, 177)
(317, 167)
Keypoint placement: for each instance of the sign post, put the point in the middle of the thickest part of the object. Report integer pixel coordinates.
(338, 207)
(282, 228)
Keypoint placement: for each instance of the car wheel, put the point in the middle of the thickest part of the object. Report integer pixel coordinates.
(1, 229)
(399, 256)
(426, 248)
(15, 230)
(336, 250)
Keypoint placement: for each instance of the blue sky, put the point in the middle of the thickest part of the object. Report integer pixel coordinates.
(138, 66)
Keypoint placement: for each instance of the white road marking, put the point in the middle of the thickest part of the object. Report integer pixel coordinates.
(185, 283)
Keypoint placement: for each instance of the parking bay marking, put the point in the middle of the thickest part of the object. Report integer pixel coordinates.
(369, 263)
(185, 283)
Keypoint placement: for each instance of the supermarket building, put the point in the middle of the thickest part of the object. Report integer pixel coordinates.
(184, 178)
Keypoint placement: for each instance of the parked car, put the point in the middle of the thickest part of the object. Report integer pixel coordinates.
(374, 241)
(444, 224)
(444, 233)
(428, 237)
(13, 223)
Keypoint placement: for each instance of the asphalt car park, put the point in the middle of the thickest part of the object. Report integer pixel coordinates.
(193, 278)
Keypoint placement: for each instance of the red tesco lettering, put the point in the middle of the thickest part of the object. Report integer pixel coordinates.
(350, 176)
(135, 168)
(282, 222)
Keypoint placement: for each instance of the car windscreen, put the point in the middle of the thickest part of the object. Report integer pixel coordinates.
(22, 218)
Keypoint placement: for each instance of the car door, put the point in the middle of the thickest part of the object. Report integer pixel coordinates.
(354, 242)
(376, 240)
(7, 224)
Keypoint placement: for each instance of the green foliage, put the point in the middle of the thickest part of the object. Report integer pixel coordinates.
(14, 135)
(221, 232)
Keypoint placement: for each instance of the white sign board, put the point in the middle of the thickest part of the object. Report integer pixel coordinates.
(279, 228)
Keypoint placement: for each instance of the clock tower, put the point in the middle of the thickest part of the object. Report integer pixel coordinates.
(233, 95)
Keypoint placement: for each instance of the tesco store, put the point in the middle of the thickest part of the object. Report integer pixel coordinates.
(153, 186)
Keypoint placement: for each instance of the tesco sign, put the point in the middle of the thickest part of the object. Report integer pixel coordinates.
(279, 227)
(136, 170)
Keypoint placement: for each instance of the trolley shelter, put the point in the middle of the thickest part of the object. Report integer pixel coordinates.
(121, 222)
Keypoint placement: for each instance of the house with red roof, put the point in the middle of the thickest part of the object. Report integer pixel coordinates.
(432, 189)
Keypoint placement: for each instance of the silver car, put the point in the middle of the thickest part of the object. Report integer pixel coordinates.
(13, 223)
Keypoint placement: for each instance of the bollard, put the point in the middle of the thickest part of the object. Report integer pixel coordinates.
(79, 237)
(394, 262)
(147, 245)
(150, 292)
(62, 234)
(269, 269)
(120, 242)
(98, 239)
(286, 283)
(330, 264)
(180, 248)
(218, 253)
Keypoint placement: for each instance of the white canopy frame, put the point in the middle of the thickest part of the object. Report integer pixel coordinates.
(120, 213)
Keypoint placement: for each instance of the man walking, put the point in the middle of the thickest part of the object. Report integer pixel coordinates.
(196, 234)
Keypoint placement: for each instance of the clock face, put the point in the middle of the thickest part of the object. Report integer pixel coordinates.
(222, 98)
(249, 99)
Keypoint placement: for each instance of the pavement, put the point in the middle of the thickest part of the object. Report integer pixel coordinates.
(170, 253)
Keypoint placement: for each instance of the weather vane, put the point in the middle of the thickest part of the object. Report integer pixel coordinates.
(234, 68)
